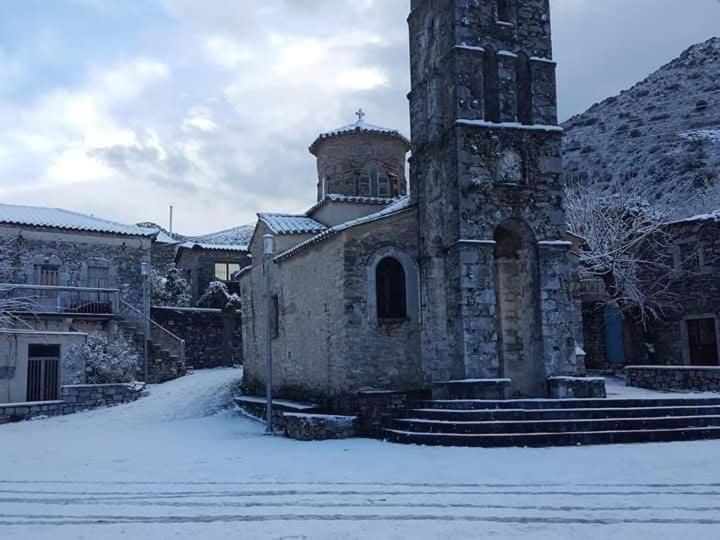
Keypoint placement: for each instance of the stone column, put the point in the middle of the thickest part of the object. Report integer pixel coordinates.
(477, 326)
(556, 307)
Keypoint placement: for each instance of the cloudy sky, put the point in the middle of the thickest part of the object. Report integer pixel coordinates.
(121, 108)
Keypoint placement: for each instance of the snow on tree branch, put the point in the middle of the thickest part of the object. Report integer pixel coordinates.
(11, 304)
(627, 244)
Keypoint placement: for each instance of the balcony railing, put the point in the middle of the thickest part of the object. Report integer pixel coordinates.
(41, 299)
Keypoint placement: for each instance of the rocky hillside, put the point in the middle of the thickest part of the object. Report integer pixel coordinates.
(663, 133)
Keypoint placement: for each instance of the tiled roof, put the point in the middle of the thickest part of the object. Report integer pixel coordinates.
(291, 224)
(237, 236)
(358, 127)
(214, 247)
(400, 205)
(349, 199)
(57, 218)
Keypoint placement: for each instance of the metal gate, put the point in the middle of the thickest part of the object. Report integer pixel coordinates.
(43, 375)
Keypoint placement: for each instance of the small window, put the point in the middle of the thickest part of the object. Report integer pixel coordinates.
(390, 289)
(491, 86)
(376, 184)
(47, 275)
(224, 271)
(524, 90)
(504, 11)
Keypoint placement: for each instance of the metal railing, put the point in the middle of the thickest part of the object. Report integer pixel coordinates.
(158, 334)
(42, 299)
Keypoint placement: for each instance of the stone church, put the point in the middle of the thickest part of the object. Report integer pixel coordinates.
(459, 280)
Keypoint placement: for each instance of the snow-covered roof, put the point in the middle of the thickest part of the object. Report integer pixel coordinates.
(349, 199)
(214, 247)
(291, 224)
(57, 218)
(712, 216)
(358, 127)
(237, 236)
(398, 206)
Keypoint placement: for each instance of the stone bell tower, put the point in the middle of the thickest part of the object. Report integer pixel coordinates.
(485, 173)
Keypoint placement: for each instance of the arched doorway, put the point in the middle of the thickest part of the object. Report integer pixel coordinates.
(518, 309)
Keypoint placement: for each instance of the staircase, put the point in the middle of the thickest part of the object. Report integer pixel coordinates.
(555, 422)
(166, 350)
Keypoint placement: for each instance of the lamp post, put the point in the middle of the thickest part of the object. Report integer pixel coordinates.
(268, 248)
(145, 272)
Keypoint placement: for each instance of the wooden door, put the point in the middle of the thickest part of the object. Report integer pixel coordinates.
(702, 339)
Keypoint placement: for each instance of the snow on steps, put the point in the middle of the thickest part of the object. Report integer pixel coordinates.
(548, 422)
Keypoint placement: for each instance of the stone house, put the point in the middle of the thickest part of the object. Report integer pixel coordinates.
(688, 332)
(76, 275)
(203, 262)
(464, 278)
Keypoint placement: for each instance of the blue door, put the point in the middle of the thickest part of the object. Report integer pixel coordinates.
(614, 336)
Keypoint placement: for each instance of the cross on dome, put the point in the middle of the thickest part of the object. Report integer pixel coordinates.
(361, 115)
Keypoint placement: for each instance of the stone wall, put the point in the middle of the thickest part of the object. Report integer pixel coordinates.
(594, 336)
(205, 332)
(696, 282)
(73, 399)
(674, 378)
(74, 252)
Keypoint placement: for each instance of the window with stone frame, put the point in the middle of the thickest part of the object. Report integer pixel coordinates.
(491, 85)
(375, 183)
(47, 275)
(524, 90)
(391, 290)
(688, 257)
(98, 277)
(505, 12)
(225, 270)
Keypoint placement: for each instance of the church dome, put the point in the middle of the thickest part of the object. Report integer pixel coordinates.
(361, 160)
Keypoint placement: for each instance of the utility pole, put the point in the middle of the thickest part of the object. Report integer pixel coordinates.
(170, 230)
(268, 248)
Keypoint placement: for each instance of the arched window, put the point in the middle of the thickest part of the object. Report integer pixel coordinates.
(391, 290)
(491, 86)
(504, 11)
(524, 90)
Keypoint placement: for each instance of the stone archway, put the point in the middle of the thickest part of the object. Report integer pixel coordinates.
(519, 330)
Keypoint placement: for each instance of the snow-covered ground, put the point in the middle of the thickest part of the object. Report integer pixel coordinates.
(172, 466)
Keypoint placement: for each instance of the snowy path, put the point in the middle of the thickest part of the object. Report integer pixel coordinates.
(170, 466)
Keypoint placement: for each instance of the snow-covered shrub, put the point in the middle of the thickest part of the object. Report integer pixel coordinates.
(108, 361)
(170, 289)
(218, 296)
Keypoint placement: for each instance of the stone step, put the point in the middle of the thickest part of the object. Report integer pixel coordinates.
(419, 425)
(461, 415)
(575, 438)
(566, 403)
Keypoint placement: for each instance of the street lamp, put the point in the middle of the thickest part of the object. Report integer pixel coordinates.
(268, 249)
(145, 272)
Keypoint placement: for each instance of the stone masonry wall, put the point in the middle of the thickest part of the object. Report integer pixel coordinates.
(676, 378)
(74, 252)
(696, 282)
(204, 334)
(73, 399)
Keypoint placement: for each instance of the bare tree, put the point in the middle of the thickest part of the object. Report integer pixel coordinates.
(627, 244)
(11, 304)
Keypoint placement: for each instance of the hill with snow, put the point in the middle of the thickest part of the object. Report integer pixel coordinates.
(663, 133)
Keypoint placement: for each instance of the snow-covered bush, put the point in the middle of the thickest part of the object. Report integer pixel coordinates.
(108, 361)
(218, 296)
(11, 303)
(170, 290)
